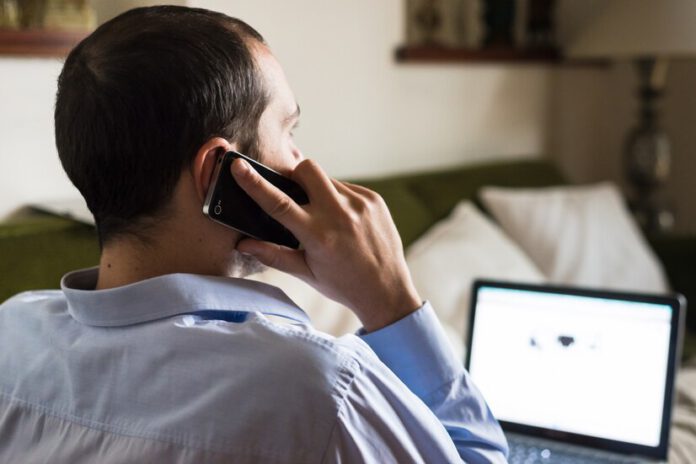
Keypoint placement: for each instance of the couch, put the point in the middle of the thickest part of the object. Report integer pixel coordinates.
(36, 249)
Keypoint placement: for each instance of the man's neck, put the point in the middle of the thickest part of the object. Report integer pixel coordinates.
(125, 262)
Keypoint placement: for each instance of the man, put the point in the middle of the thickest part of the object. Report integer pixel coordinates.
(159, 354)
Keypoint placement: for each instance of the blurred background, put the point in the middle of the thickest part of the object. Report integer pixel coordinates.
(395, 86)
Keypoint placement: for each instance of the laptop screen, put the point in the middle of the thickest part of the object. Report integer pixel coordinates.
(579, 364)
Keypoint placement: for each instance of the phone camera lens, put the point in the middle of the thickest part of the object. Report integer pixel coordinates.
(217, 209)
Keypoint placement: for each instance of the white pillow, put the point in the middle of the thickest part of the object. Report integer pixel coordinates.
(326, 315)
(452, 254)
(581, 235)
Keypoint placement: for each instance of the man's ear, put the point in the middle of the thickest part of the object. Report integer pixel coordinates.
(204, 163)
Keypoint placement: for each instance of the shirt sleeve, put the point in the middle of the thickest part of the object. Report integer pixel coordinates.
(424, 408)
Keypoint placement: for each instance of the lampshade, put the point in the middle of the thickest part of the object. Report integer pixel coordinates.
(638, 28)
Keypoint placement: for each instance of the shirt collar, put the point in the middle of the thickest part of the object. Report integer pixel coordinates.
(170, 295)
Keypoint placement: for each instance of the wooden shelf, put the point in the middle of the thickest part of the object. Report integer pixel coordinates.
(39, 42)
(445, 54)
(436, 54)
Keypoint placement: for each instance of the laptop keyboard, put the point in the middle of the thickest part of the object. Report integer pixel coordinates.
(532, 452)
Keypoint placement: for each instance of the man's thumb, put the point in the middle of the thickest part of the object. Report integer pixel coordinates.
(276, 256)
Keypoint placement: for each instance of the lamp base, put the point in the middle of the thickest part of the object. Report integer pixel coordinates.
(653, 217)
(647, 153)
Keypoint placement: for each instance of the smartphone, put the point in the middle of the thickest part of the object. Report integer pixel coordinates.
(228, 204)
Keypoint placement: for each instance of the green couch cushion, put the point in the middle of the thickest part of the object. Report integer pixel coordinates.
(411, 215)
(417, 201)
(442, 191)
(37, 250)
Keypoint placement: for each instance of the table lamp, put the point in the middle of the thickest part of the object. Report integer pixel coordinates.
(647, 32)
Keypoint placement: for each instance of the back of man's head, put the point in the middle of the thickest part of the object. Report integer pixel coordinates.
(139, 96)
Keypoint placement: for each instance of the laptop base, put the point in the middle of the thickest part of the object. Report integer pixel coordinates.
(532, 450)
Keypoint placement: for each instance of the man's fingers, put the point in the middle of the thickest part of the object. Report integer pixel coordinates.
(272, 200)
(318, 185)
(359, 196)
(276, 256)
(359, 189)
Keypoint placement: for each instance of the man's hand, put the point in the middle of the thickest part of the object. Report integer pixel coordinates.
(352, 250)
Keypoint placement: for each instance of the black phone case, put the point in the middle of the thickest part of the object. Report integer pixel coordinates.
(228, 204)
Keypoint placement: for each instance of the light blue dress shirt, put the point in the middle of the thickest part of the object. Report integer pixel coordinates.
(198, 369)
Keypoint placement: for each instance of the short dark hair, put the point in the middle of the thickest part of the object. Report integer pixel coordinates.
(140, 95)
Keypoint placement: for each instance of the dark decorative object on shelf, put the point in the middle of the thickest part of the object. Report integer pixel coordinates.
(647, 155)
(44, 28)
(31, 13)
(428, 24)
(428, 19)
(499, 19)
(540, 31)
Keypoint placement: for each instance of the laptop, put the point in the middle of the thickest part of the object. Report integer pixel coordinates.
(576, 375)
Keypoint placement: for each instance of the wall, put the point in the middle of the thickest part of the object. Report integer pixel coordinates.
(363, 114)
(679, 119)
(29, 166)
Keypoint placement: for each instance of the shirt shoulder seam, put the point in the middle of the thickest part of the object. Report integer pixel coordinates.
(350, 369)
